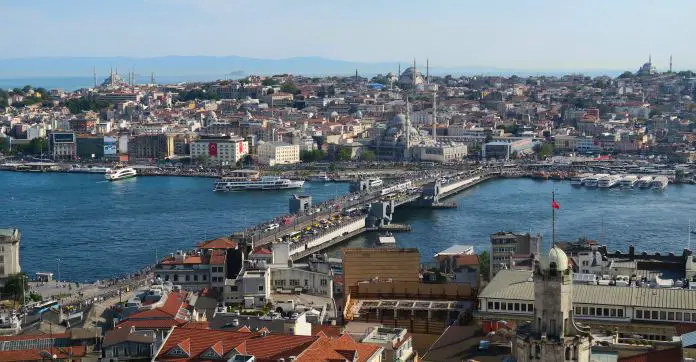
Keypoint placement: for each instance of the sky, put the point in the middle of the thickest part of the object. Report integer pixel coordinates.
(519, 34)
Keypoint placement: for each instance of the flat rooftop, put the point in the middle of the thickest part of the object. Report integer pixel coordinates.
(456, 250)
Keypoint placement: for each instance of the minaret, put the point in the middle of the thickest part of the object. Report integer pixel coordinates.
(414, 73)
(435, 117)
(152, 77)
(398, 74)
(427, 71)
(650, 59)
(94, 75)
(356, 75)
(670, 63)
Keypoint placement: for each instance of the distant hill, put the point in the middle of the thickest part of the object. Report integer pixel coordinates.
(227, 66)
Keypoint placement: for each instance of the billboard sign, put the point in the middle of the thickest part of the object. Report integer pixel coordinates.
(64, 138)
(110, 146)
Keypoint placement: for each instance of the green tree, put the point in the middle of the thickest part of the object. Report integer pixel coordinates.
(625, 75)
(14, 285)
(485, 265)
(269, 82)
(289, 87)
(344, 154)
(35, 297)
(368, 155)
(312, 156)
(26, 89)
(544, 150)
(198, 94)
(38, 145)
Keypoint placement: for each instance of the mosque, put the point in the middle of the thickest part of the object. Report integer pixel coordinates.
(648, 68)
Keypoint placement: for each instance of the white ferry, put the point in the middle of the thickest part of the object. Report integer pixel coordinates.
(608, 181)
(629, 181)
(120, 173)
(659, 183)
(260, 184)
(644, 182)
(578, 180)
(593, 180)
(322, 177)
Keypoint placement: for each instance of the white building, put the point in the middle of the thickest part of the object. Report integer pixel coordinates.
(9, 252)
(220, 149)
(278, 153)
(440, 152)
(36, 131)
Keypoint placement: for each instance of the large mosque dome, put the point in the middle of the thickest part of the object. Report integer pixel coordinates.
(406, 77)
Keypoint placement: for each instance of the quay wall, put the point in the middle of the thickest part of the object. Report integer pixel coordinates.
(326, 238)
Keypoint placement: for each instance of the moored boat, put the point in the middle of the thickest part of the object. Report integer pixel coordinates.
(121, 173)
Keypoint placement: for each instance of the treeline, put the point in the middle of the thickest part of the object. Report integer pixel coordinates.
(199, 94)
(28, 97)
(81, 104)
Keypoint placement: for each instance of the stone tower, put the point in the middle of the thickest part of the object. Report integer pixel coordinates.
(553, 335)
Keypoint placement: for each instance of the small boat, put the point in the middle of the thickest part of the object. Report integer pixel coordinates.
(644, 182)
(608, 181)
(629, 181)
(386, 239)
(120, 173)
(592, 181)
(579, 179)
(322, 177)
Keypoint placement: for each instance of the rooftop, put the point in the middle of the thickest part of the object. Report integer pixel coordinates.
(456, 250)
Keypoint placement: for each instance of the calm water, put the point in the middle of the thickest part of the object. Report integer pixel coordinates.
(100, 229)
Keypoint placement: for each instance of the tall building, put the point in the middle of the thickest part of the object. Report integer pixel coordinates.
(220, 149)
(553, 334)
(508, 248)
(9, 253)
(277, 153)
(151, 146)
(62, 145)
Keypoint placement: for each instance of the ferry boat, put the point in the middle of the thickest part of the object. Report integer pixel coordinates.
(593, 180)
(120, 173)
(260, 184)
(579, 179)
(644, 182)
(322, 177)
(608, 181)
(629, 181)
(659, 183)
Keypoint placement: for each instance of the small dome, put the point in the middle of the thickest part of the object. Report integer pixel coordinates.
(334, 114)
(558, 257)
(398, 121)
(359, 114)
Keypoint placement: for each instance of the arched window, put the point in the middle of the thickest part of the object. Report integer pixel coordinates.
(567, 353)
(176, 277)
(552, 269)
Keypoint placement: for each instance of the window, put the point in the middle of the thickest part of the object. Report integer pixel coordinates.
(639, 314)
(577, 310)
(517, 307)
(205, 277)
(670, 316)
(687, 317)
(503, 306)
(509, 305)
(530, 307)
(490, 305)
(260, 288)
(323, 282)
(654, 315)
(584, 310)
(524, 307)
(663, 315)
(693, 317)
(497, 305)
(195, 277)
(592, 311)
(613, 312)
(619, 312)
(606, 312)
(306, 282)
(678, 316)
(294, 282)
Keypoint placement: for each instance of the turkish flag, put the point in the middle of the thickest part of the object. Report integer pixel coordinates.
(241, 147)
(212, 149)
(555, 205)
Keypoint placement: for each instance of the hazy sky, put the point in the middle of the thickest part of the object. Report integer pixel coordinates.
(522, 34)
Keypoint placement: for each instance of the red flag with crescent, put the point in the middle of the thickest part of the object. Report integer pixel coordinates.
(212, 149)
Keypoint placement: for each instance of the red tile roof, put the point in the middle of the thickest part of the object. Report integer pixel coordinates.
(467, 259)
(265, 348)
(36, 355)
(338, 349)
(217, 257)
(189, 259)
(172, 313)
(262, 250)
(219, 243)
(672, 354)
(328, 331)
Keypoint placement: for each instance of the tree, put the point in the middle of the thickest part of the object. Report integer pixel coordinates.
(200, 94)
(289, 87)
(312, 156)
(26, 89)
(544, 150)
(15, 284)
(485, 265)
(344, 154)
(268, 82)
(368, 156)
(38, 145)
(625, 75)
